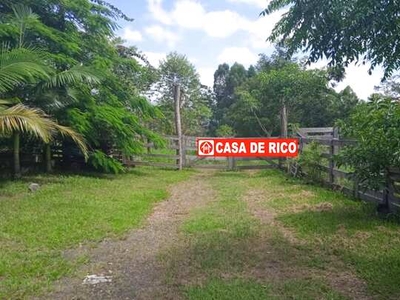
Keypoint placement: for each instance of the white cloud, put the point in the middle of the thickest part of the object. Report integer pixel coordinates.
(222, 24)
(241, 55)
(188, 14)
(158, 13)
(162, 35)
(206, 75)
(154, 58)
(258, 3)
(360, 81)
(261, 29)
(131, 36)
(357, 78)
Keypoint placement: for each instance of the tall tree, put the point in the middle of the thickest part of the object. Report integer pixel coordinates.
(226, 80)
(76, 33)
(194, 101)
(306, 93)
(17, 67)
(390, 87)
(341, 31)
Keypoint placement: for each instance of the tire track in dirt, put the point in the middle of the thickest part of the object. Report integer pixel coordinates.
(133, 262)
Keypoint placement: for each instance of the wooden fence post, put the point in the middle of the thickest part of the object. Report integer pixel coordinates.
(284, 122)
(331, 162)
(178, 125)
(184, 150)
(333, 149)
(148, 146)
(284, 129)
(231, 163)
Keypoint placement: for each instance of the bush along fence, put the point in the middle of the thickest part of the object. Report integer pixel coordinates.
(329, 145)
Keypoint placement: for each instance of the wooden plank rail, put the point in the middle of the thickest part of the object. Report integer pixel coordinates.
(328, 137)
(190, 160)
(334, 144)
(161, 155)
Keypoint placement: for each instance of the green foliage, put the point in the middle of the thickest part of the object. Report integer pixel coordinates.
(92, 83)
(375, 125)
(341, 31)
(102, 162)
(251, 105)
(224, 131)
(194, 100)
(226, 80)
(310, 161)
(391, 87)
(20, 65)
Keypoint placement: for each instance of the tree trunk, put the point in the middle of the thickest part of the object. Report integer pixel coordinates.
(47, 157)
(17, 163)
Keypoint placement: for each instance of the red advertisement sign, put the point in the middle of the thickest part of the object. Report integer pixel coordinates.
(245, 147)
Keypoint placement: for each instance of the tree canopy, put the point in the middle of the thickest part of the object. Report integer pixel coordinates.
(341, 31)
(249, 101)
(93, 83)
(194, 101)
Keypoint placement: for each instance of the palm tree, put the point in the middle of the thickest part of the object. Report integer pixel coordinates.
(19, 119)
(54, 93)
(21, 66)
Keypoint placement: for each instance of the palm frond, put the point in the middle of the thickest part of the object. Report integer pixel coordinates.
(52, 100)
(23, 13)
(20, 118)
(19, 66)
(75, 75)
(76, 137)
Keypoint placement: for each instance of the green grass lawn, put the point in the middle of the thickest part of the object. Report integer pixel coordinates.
(350, 230)
(35, 228)
(228, 249)
(227, 246)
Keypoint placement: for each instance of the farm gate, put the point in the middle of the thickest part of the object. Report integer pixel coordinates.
(168, 157)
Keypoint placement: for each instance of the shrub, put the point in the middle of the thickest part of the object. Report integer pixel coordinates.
(310, 161)
(376, 127)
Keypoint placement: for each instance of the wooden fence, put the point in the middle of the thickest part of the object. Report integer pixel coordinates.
(168, 157)
(335, 177)
(343, 179)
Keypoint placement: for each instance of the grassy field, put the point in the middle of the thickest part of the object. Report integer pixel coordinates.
(261, 235)
(229, 250)
(350, 230)
(35, 228)
(297, 242)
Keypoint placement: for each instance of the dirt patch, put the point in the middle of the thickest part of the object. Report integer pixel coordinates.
(321, 207)
(133, 262)
(277, 268)
(255, 200)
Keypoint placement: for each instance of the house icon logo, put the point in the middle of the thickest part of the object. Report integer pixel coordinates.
(205, 148)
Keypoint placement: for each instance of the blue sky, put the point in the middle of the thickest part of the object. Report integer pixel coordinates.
(212, 32)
